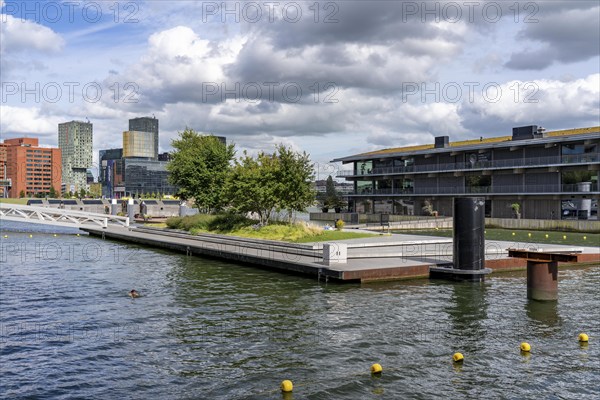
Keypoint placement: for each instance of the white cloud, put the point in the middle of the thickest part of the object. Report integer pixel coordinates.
(18, 35)
(31, 121)
(553, 103)
(545, 98)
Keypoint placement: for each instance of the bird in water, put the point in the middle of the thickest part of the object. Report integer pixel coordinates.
(134, 293)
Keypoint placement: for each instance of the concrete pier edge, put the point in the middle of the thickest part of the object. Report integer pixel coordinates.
(306, 259)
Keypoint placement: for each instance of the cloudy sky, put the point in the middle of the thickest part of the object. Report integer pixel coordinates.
(332, 78)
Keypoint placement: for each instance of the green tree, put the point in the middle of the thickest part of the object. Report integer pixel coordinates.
(95, 190)
(52, 192)
(253, 186)
(332, 197)
(199, 167)
(82, 193)
(571, 177)
(21, 194)
(295, 174)
(330, 192)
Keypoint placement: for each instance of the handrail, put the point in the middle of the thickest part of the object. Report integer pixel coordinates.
(499, 189)
(57, 216)
(481, 165)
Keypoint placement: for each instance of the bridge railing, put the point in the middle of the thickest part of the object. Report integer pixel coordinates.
(57, 216)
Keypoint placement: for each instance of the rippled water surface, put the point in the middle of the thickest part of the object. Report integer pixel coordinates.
(215, 330)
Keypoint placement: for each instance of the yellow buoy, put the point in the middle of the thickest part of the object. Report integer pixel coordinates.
(513, 234)
(526, 347)
(529, 234)
(5, 236)
(78, 234)
(546, 236)
(287, 386)
(30, 236)
(585, 238)
(583, 337)
(376, 369)
(458, 357)
(564, 236)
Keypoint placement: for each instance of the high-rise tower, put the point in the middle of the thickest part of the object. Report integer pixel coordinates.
(75, 139)
(146, 124)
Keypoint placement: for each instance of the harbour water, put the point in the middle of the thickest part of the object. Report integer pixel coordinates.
(214, 330)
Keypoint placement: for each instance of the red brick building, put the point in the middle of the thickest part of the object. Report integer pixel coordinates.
(3, 177)
(32, 170)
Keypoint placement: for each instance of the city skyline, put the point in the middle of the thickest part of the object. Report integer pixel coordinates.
(372, 74)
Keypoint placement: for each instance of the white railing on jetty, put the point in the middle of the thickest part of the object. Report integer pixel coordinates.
(59, 217)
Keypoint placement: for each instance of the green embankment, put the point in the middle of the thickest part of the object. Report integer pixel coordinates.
(14, 201)
(236, 225)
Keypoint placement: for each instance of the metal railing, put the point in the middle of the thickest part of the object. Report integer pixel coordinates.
(480, 165)
(59, 217)
(499, 189)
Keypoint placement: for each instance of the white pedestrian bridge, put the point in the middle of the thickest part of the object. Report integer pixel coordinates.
(59, 217)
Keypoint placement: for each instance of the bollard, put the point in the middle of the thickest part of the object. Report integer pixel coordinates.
(130, 210)
(335, 253)
(114, 207)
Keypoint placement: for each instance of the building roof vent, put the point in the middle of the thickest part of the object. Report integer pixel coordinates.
(442, 142)
(525, 132)
(541, 132)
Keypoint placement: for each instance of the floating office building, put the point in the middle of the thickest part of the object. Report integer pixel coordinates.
(550, 175)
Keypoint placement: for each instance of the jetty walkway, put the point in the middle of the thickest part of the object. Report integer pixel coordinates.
(381, 257)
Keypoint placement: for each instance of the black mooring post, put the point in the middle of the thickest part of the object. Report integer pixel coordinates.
(469, 242)
(469, 225)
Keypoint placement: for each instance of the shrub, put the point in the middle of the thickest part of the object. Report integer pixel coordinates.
(174, 222)
(516, 207)
(229, 222)
(198, 221)
(281, 231)
(187, 223)
(339, 224)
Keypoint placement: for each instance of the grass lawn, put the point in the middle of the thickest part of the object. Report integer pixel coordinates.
(334, 235)
(295, 234)
(516, 235)
(155, 224)
(243, 227)
(14, 201)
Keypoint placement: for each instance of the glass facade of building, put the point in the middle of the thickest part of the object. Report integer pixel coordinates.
(110, 173)
(146, 124)
(139, 144)
(147, 176)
